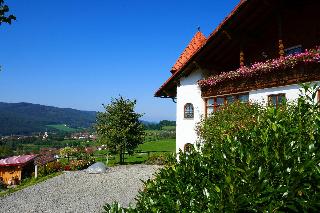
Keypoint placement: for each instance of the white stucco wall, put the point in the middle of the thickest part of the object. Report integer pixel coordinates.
(188, 92)
(261, 96)
(292, 93)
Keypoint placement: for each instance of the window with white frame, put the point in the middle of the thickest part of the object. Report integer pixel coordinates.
(214, 104)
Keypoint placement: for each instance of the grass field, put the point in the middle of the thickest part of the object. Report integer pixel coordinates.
(34, 147)
(166, 145)
(63, 128)
(148, 148)
(169, 128)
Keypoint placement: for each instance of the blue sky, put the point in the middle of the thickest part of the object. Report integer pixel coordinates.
(79, 54)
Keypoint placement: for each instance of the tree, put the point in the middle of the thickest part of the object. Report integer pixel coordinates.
(67, 152)
(5, 151)
(167, 123)
(4, 18)
(120, 126)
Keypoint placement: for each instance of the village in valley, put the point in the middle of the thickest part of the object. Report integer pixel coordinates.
(245, 135)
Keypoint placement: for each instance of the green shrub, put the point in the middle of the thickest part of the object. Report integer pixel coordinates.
(115, 208)
(161, 159)
(252, 159)
(49, 168)
(80, 164)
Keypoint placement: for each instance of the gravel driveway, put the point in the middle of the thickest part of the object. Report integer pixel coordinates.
(79, 191)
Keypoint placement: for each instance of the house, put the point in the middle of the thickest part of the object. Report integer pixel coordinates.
(80, 135)
(16, 168)
(261, 52)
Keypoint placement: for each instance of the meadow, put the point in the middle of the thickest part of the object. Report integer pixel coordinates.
(63, 128)
(157, 141)
(142, 153)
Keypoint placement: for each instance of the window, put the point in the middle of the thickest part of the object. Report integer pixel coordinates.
(243, 98)
(277, 99)
(214, 104)
(293, 50)
(188, 111)
(188, 147)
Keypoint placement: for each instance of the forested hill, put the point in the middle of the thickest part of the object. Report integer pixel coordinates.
(27, 118)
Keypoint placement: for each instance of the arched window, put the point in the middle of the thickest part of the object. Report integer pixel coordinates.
(188, 148)
(188, 111)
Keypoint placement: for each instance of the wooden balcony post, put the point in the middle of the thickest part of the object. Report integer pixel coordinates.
(242, 62)
(281, 49)
(281, 45)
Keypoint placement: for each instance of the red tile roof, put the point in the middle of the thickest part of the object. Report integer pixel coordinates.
(175, 73)
(196, 43)
(16, 160)
(44, 159)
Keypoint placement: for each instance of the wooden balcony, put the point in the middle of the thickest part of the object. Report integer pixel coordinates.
(293, 69)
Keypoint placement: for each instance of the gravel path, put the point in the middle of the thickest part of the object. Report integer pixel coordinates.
(79, 191)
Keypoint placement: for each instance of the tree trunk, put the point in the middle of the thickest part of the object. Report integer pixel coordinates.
(121, 156)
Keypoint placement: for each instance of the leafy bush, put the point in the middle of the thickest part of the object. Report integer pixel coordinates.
(252, 159)
(80, 164)
(83, 153)
(161, 159)
(115, 208)
(238, 118)
(68, 151)
(67, 168)
(49, 168)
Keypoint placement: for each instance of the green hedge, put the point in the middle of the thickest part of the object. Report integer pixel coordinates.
(252, 159)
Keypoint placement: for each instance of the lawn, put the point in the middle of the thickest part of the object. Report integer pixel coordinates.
(169, 128)
(146, 149)
(166, 132)
(165, 145)
(63, 128)
(35, 147)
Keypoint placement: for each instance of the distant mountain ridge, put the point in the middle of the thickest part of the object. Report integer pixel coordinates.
(27, 118)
